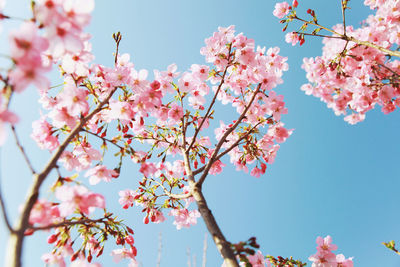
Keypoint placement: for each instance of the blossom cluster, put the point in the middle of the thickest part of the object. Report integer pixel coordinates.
(326, 258)
(241, 75)
(323, 258)
(356, 70)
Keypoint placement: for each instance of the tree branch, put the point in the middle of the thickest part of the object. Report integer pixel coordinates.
(212, 102)
(226, 151)
(352, 39)
(4, 212)
(223, 138)
(67, 223)
(168, 193)
(223, 246)
(16, 239)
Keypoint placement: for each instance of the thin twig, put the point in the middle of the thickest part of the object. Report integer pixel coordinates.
(103, 138)
(21, 148)
(226, 151)
(223, 138)
(168, 193)
(15, 246)
(212, 103)
(344, 3)
(4, 210)
(67, 223)
(320, 35)
(352, 39)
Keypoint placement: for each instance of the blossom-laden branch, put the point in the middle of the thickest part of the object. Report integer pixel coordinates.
(16, 240)
(224, 137)
(358, 69)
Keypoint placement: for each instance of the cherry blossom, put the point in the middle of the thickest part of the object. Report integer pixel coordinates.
(78, 198)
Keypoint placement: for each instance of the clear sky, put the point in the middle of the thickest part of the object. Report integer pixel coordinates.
(329, 178)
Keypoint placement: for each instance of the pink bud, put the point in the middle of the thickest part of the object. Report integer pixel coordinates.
(52, 239)
(129, 239)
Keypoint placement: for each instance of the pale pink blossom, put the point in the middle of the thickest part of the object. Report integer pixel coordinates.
(44, 213)
(175, 113)
(122, 253)
(127, 198)
(292, 38)
(43, 134)
(184, 217)
(100, 173)
(281, 9)
(78, 199)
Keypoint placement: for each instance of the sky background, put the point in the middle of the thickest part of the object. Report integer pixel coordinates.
(329, 178)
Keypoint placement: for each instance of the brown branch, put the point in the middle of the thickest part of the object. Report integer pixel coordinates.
(352, 39)
(223, 246)
(168, 193)
(320, 35)
(223, 138)
(67, 223)
(344, 6)
(212, 102)
(226, 151)
(16, 239)
(103, 138)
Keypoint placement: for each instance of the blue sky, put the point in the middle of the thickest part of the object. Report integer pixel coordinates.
(328, 178)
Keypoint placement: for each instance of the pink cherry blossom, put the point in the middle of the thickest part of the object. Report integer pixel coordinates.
(100, 173)
(281, 9)
(122, 253)
(43, 135)
(78, 198)
(127, 198)
(184, 217)
(6, 116)
(175, 113)
(44, 213)
(257, 260)
(292, 38)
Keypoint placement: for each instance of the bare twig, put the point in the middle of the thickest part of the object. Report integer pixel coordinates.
(21, 148)
(320, 35)
(16, 240)
(4, 210)
(344, 6)
(103, 138)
